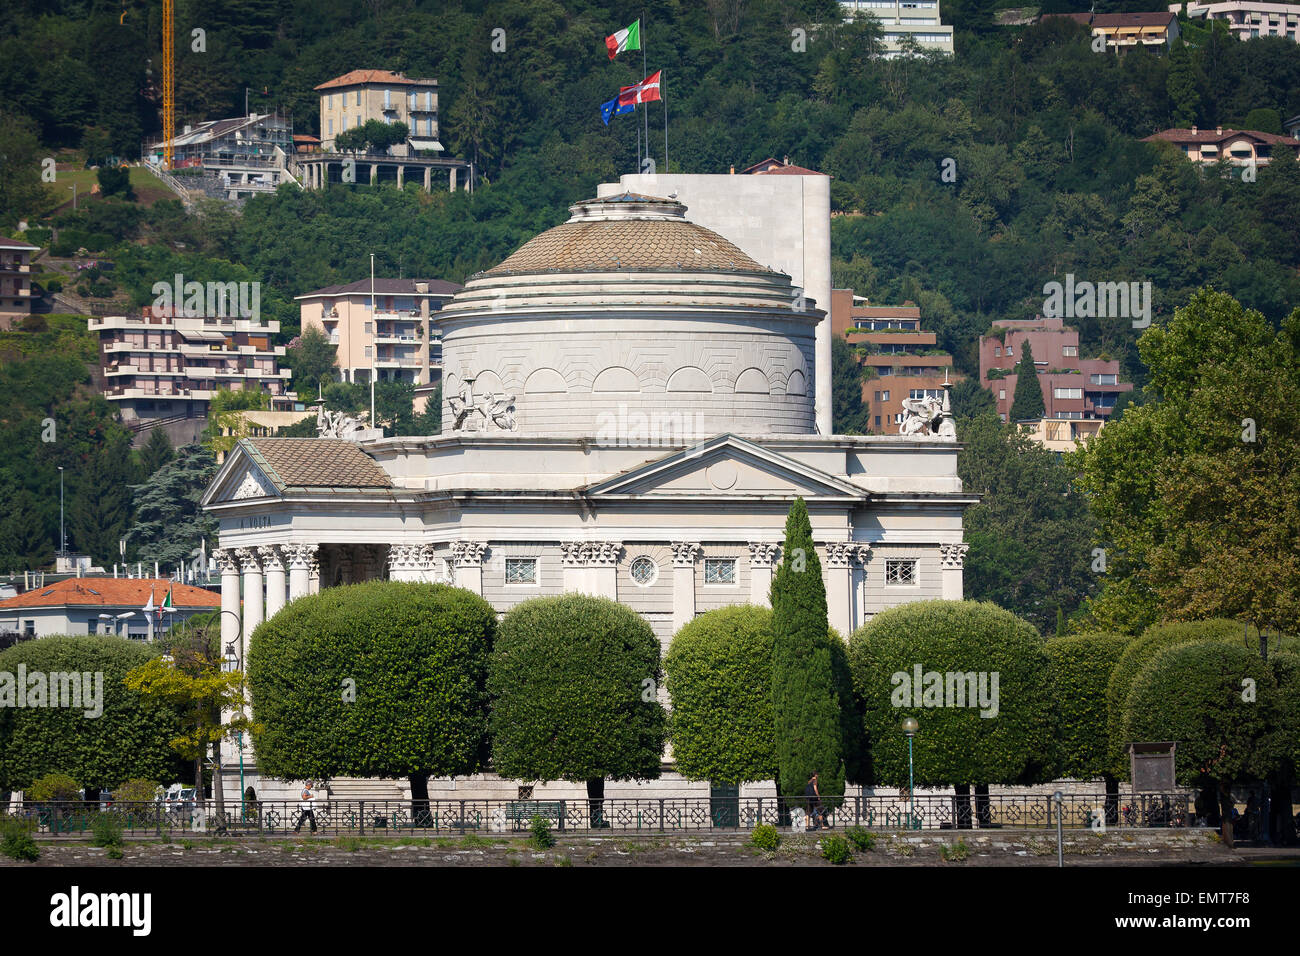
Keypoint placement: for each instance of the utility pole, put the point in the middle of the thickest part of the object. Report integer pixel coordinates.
(63, 539)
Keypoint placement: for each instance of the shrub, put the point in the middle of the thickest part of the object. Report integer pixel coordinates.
(416, 655)
(1136, 656)
(719, 675)
(136, 790)
(1078, 675)
(106, 829)
(16, 839)
(53, 284)
(540, 834)
(954, 852)
(131, 738)
(836, 850)
(52, 788)
(567, 679)
(861, 838)
(765, 837)
(955, 745)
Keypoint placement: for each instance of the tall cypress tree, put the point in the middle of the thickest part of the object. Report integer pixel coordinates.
(804, 700)
(1028, 401)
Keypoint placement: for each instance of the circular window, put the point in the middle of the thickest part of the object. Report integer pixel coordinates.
(644, 571)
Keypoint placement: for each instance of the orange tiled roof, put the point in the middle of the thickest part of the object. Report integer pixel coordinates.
(113, 592)
(358, 77)
(1217, 136)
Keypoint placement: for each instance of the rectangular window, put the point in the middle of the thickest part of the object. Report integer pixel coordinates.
(997, 350)
(719, 570)
(886, 394)
(916, 393)
(1008, 349)
(368, 351)
(1069, 393)
(428, 99)
(1002, 394)
(877, 421)
(29, 628)
(521, 570)
(1104, 379)
(369, 327)
(1070, 351)
(331, 122)
(388, 98)
(877, 396)
(900, 572)
(358, 97)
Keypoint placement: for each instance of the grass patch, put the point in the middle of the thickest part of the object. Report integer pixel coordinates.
(16, 840)
(862, 838)
(835, 849)
(954, 852)
(765, 837)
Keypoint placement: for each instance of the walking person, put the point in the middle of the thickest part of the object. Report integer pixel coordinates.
(813, 797)
(305, 808)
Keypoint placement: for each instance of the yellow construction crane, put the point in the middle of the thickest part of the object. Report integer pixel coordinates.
(169, 81)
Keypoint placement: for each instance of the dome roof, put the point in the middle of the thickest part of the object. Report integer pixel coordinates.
(627, 233)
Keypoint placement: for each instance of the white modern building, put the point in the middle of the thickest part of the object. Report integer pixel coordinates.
(628, 412)
(901, 19)
(1247, 19)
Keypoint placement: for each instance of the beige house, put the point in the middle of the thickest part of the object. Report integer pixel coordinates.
(394, 342)
(1247, 19)
(15, 280)
(348, 101)
(1241, 147)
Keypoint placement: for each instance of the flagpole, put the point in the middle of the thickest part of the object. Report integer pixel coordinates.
(644, 75)
(664, 100)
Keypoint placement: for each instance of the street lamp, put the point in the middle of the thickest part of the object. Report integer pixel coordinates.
(909, 728)
(230, 663)
(123, 617)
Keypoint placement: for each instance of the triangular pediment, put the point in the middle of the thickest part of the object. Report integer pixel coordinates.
(240, 478)
(725, 466)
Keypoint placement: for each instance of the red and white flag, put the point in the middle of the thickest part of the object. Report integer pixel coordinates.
(643, 92)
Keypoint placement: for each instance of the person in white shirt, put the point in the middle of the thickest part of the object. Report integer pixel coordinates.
(305, 806)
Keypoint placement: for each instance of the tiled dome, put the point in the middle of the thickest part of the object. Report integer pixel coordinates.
(627, 233)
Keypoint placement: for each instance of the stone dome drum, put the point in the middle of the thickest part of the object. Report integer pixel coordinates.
(631, 325)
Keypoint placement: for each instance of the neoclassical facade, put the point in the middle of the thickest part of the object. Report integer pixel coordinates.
(628, 412)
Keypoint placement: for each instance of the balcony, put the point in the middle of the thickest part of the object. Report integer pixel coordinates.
(19, 267)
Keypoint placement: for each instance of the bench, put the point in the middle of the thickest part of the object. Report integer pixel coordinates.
(520, 813)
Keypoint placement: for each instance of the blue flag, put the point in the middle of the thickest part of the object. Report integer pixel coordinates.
(612, 108)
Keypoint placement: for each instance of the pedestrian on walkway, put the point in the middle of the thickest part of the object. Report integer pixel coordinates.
(813, 797)
(305, 808)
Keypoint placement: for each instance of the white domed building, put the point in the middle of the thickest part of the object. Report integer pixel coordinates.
(628, 411)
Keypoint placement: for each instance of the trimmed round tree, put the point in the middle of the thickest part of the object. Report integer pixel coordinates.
(719, 675)
(975, 678)
(1197, 694)
(805, 701)
(572, 680)
(1140, 652)
(112, 735)
(381, 679)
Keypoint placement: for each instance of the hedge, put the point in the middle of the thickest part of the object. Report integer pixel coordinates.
(1080, 669)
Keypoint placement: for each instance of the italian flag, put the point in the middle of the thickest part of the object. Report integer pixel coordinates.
(166, 607)
(629, 39)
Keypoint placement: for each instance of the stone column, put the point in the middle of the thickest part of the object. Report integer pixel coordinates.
(252, 565)
(401, 170)
(230, 616)
(300, 558)
(374, 174)
(602, 568)
(313, 571)
(403, 562)
(574, 566)
(839, 591)
(762, 556)
(276, 580)
(684, 554)
(467, 556)
(862, 554)
(453, 180)
(952, 560)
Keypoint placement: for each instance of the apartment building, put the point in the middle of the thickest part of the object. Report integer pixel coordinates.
(348, 101)
(1073, 388)
(15, 280)
(899, 19)
(907, 361)
(1127, 30)
(159, 365)
(1246, 19)
(1241, 147)
(397, 340)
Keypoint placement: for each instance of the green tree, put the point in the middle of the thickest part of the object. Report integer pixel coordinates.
(22, 192)
(1027, 403)
(1192, 693)
(805, 702)
(157, 451)
(1181, 85)
(573, 681)
(115, 181)
(719, 676)
(169, 523)
(850, 413)
(100, 507)
(997, 729)
(382, 679)
(128, 736)
(312, 360)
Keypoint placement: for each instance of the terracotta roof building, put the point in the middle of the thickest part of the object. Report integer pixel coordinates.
(104, 606)
(350, 100)
(1241, 147)
(1126, 30)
